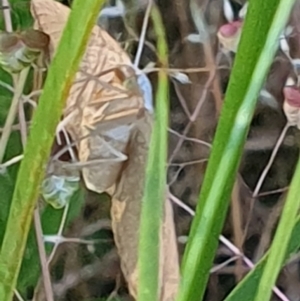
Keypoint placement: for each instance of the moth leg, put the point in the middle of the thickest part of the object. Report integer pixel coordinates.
(62, 125)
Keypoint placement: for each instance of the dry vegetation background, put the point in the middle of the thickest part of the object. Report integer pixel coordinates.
(90, 270)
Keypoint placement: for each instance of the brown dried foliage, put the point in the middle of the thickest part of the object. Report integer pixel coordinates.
(99, 100)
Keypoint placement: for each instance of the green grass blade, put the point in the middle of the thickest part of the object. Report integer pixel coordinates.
(281, 239)
(156, 176)
(257, 48)
(247, 288)
(47, 116)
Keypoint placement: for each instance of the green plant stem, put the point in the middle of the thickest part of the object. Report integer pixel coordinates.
(280, 242)
(47, 116)
(156, 176)
(256, 51)
(20, 83)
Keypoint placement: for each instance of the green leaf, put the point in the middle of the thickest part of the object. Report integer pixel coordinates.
(14, 148)
(6, 188)
(256, 51)
(156, 175)
(247, 288)
(281, 239)
(20, 15)
(47, 116)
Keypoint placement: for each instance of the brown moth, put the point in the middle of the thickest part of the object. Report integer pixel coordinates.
(98, 96)
(109, 116)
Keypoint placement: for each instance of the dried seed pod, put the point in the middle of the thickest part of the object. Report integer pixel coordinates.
(19, 50)
(291, 105)
(229, 35)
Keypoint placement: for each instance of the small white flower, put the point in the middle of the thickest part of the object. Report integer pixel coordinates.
(181, 77)
(195, 38)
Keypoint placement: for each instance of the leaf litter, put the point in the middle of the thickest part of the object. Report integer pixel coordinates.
(117, 101)
(109, 116)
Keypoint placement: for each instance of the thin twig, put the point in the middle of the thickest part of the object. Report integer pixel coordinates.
(182, 100)
(18, 296)
(148, 70)
(181, 166)
(16, 127)
(43, 256)
(272, 158)
(143, 35)
(10, 162)
(263, 176)
(7, 16)
(23, 125)
(186, 138)
(7, 86)
(275, 191)
(223, 264)
(227, 243)
(187, 163)
(198, 18)
(59, 233)
(12, 111)
(55, 239)
(193, 117)
(25, 98)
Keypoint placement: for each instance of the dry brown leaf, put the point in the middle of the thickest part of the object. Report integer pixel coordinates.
(109, 117)
(98, 97)
(170, 273)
